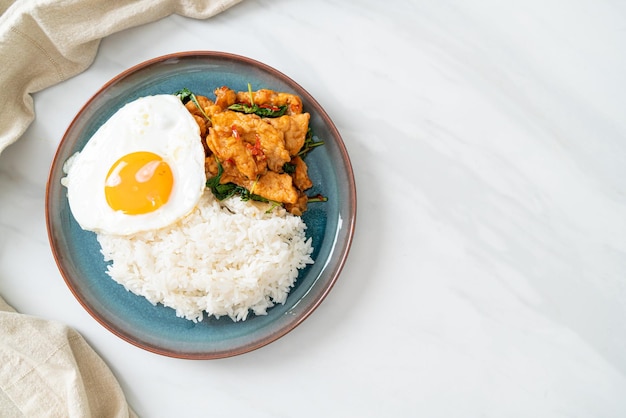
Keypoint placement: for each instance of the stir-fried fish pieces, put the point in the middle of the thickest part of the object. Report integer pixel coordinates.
(264, 97)
(276, 187)
(294, 129)
(226, 143)
(252, 150)
(300, 175)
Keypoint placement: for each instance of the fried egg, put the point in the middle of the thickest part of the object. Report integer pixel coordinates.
(142, 170)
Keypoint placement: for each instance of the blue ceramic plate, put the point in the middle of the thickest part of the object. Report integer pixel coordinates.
(156, 328)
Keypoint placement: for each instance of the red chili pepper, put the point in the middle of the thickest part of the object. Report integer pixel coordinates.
(270, 107)
(256, 149)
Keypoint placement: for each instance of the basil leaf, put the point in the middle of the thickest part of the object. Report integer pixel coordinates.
(265, 112)
(309, 144)
(185, 95)
(224, 191)
(289, 168)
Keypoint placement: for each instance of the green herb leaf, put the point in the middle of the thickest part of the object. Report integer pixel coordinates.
(185, 95)
(317, 198)
(265, 111)
(262, 111)
(224, 191)
(289, 168)
(309, 144)
(250, 94)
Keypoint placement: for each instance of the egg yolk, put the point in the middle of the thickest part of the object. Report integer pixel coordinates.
(138, 183)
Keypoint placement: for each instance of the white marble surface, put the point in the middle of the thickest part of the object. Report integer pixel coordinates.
(487, 274)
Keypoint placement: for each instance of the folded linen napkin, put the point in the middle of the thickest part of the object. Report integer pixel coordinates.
(48, 369)
(43, 42)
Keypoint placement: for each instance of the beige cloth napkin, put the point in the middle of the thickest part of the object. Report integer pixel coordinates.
(47, 369)
(43, 42)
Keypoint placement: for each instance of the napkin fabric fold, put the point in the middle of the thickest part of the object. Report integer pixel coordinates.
(44, 42)
(48, 369)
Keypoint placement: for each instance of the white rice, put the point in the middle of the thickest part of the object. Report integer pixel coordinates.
(225, 259)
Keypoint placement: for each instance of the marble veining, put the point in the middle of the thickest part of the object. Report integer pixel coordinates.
(487, 276)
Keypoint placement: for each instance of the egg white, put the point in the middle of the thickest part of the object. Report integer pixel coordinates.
(159, 124)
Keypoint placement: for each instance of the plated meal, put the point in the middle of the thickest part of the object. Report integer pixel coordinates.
(140, 184)
(205, 188)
